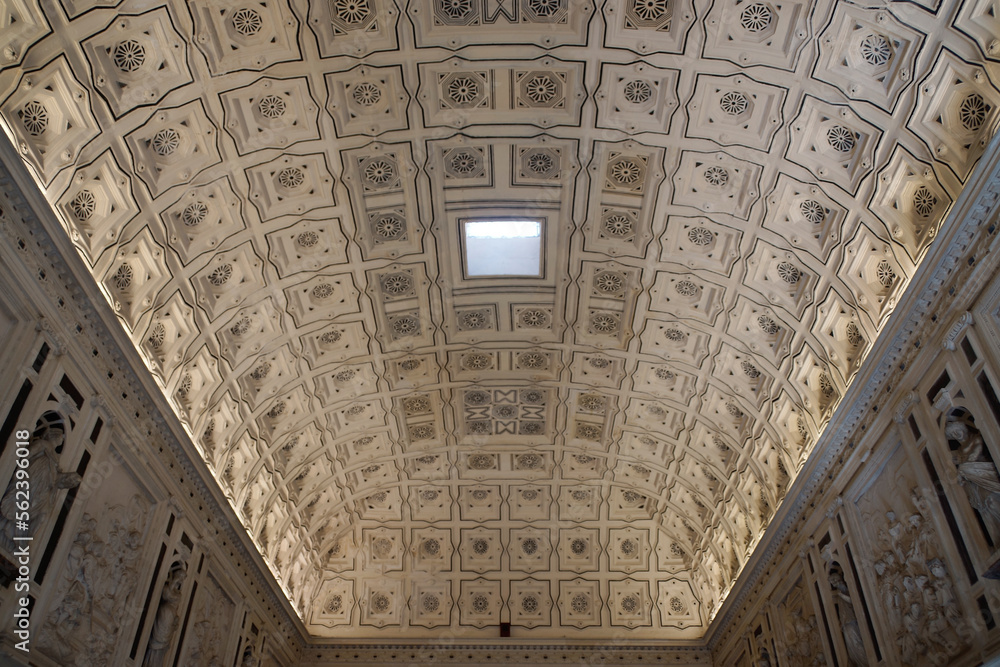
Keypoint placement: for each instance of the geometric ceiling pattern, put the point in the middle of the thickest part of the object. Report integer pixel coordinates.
(731, 196)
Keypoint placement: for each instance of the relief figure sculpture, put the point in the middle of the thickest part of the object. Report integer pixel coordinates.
(46, 479)
(166, 621)
(977, 474)
(848, 619)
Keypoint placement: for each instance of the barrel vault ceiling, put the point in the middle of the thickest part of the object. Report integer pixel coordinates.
(732, 196)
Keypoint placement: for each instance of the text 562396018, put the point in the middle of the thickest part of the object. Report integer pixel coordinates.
(22, 539)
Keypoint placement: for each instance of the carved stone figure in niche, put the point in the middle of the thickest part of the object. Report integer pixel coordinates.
(977, 473)
(46, 479)
(249, 657)
(764, 660)
(848, 619)
(98, 584)
(166, 621)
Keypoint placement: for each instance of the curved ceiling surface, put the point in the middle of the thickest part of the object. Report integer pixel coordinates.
(731, 197)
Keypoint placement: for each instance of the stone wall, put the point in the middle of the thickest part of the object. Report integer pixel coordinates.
(886, 554)
(133, 560)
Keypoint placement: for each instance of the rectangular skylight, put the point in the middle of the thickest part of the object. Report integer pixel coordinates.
(510, 247)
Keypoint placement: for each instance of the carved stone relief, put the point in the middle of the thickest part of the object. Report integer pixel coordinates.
(97, 599)
(914, 587)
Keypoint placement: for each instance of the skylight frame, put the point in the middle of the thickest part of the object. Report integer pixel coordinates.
(467, 245)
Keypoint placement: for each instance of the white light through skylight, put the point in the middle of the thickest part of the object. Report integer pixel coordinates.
(503, 248)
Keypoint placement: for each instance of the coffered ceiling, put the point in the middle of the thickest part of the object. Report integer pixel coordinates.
(732, 196)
